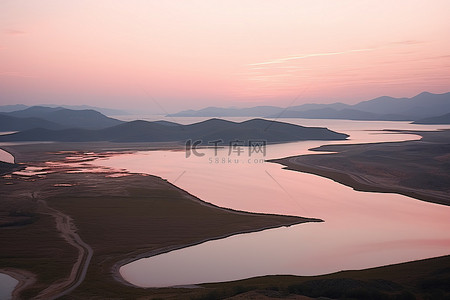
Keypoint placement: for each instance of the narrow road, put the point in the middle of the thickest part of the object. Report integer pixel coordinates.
(68, 230)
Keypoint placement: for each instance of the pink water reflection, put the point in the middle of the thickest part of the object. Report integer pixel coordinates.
(361, 229)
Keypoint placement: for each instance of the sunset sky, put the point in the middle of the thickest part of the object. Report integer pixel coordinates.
(173, 55)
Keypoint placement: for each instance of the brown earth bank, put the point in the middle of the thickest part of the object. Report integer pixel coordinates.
(423, 279)
(418, 169)
(128, 217)
(49, 222)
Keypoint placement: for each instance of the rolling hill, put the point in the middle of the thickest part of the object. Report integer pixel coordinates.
(54, 118)
(10, 123)
(210, 130)
(103, 110)
(443, 119)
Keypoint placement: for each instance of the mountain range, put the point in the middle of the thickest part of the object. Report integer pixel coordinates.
(423, 105)
(103, 110)
(39, 123)
(209, 130)
(54, 118)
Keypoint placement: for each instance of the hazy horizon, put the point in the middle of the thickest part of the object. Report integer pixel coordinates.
(160, 110)
(176, 55)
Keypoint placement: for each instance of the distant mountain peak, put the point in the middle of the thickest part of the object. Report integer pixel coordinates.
(425, 94)
(384, 108)
(60, 117)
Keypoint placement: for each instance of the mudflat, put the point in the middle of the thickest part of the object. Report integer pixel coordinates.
(418, 169)
(73, 228)
(51, 222)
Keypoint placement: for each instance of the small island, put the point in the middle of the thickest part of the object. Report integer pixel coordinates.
(209, 130)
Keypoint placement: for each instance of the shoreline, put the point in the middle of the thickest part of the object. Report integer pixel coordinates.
(116, 268)
(24, 277)
(135, 255)
(116, 260)
(383, 167)
(8, 167)
(14, 158)
(357, 182)
(131, 257)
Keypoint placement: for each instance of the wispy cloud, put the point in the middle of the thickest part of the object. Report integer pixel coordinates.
(15, 74)
(14, 32)
(407, 42)
(303, 56)
(289, 72)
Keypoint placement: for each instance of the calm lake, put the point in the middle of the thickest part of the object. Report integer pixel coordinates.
(361, 229)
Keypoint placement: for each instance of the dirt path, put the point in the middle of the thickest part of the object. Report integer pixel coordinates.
(68, 230)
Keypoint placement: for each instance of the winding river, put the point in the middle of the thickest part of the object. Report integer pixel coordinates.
(361, 229)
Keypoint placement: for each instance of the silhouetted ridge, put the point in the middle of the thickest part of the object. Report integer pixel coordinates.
(209, 130)
(444, 119)
(382, 108)
(60, 117)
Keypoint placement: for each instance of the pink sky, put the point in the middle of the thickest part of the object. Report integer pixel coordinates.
(192, 54)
